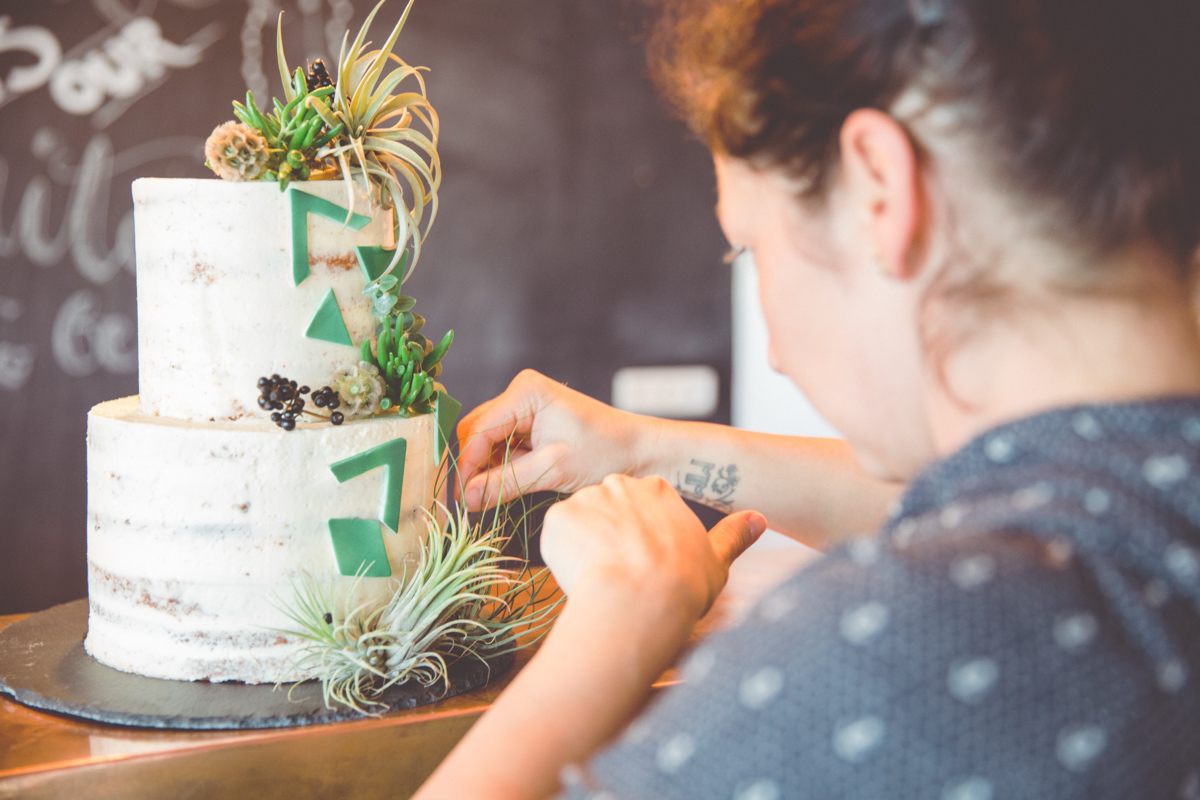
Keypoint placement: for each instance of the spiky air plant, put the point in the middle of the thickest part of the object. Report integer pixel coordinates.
(380, 146)
(463, 599)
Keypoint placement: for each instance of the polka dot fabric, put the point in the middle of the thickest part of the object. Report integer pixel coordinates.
(1027, 625)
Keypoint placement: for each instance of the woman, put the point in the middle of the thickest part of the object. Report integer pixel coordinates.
(974, 223)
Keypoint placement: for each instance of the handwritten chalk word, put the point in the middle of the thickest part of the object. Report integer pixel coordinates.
(83, 340)
(122, 67)
(38, 42)
(119, 67)
(82, 229)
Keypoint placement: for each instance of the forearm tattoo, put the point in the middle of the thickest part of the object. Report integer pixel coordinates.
(703, 482)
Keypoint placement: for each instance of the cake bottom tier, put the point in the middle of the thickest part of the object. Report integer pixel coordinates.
(200, 533)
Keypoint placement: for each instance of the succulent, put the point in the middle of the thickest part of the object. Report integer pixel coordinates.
(294, 133)
(236, 152)
(410, 364)
(360, 389)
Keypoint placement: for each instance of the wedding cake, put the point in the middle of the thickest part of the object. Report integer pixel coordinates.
(289, 426)
(202, 513)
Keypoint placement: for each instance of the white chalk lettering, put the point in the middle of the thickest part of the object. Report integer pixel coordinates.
(38, 42)
(120, 67)
(83, 340)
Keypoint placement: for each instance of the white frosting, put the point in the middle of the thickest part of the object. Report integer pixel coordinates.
(217, 305)
(196, 530)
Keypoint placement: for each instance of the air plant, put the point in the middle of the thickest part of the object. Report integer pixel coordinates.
(463, 599)
(362, 125)
(380, 146)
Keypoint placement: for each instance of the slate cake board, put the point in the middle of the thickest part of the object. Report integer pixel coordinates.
(43, 665)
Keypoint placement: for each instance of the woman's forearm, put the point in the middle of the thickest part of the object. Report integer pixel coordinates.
(587, 681)
(808, 488)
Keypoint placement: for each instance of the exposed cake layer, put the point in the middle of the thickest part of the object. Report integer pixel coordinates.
(217, 301)
(197, 531)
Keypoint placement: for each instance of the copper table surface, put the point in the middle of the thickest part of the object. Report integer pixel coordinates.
(44, 755)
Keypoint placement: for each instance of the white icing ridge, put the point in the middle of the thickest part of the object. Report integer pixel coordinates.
(217, 304)
(198, 530)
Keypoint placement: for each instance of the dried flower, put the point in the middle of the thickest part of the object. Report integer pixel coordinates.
(236, 152)
(360, 389)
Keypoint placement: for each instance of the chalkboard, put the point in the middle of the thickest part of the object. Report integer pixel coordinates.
(575, 233)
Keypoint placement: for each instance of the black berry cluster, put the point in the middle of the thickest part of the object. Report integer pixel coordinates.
(326, 397)
(285, 399)
(317, 76)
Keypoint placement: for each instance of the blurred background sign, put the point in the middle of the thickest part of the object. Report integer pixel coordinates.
(575, 234)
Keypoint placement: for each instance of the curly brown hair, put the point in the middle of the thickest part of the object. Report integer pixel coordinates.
(1090, 108)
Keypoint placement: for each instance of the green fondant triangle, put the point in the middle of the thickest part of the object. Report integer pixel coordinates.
(327, 324)
(373, 262)
(390, 456)
(447, 410)
(358, 547)
(303, 204)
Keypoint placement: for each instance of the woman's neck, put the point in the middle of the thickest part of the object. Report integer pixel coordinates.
(1133, 341)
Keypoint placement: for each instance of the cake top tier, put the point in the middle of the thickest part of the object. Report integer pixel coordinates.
(240, 280)
(269, 273)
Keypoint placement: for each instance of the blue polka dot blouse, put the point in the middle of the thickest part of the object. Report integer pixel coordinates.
(1026, 625)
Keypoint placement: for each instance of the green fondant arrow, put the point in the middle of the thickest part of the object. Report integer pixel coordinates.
(446, 409)
(373, 261)
(358, 545)
(327, 324)
(390, 456)
(304, 204)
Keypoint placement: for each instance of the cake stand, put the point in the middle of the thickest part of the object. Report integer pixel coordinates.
(43, 665)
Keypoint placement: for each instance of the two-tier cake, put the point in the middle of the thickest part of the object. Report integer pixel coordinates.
(290, 430)
(202, 513)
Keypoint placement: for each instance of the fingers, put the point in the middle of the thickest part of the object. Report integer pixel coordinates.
(534, 471)
(495, 422)
(731, 536)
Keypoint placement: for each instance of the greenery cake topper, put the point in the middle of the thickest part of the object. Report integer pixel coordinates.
(376, 132)
(372, 130)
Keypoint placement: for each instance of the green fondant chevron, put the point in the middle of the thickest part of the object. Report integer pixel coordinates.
(303, 204)
(358, 545)
(374, 260)
(446, 409)
(390, 456)
(327, 324)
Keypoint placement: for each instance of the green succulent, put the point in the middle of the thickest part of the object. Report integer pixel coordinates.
(409, 363)
(295, 132)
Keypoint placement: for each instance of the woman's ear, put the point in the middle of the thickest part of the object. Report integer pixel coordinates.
(882, 183)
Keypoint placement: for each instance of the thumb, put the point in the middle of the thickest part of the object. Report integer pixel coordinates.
(731, 536)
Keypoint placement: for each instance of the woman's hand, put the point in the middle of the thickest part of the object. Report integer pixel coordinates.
(640, 570)
(539, 435)
(636, 536)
